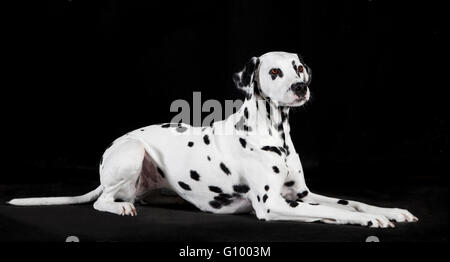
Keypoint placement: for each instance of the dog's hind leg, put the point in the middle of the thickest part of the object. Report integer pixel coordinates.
(119, 174)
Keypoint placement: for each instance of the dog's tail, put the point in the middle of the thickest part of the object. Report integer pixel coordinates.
(43, 201)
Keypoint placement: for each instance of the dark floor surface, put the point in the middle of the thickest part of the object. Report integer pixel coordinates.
(185, 223)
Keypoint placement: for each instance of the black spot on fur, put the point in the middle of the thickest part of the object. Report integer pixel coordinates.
(284, 116)
(243, 142)
(225, 169)
(215, 189)
(343, 202)
(268, 109)
(241, 188)
(190, 144)
(265, 197)
(257, 197)
(195, 175)
(286, 149)
(236, 195)
(268, 210)
(209, 158)
(302, 194)
(266, 187)
(369, 223)
(142, 129)
(184, 186)
(256, 89)
(276, 169)
(206, 139)
(272, 149)
(289, 183)
(280, 127)
(246, 112)
(161, 173)
(225, 195)
(314, 204)
(215, 204)
(223, 200)
(292, 203)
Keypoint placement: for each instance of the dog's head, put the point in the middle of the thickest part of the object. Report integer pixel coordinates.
(281, 77)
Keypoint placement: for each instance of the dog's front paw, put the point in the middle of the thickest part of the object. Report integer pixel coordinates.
(378, 221)
(400, 215)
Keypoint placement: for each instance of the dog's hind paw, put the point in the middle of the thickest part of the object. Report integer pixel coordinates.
(127, 209)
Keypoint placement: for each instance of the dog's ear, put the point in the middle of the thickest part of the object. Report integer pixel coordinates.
(309, 71)
(244, 78)
(307, 68)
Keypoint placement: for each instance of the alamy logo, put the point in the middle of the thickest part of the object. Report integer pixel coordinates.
(215, 112)
(212, 106)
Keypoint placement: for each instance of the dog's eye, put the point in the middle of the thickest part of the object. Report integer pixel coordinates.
(300, 68)
(275, 72)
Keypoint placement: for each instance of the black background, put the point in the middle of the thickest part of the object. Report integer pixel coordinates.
(83, 73)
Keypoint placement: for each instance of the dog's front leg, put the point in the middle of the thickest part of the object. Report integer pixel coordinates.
(270, 205)
(396, 214)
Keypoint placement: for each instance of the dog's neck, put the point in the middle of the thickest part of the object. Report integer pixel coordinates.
(264, 116)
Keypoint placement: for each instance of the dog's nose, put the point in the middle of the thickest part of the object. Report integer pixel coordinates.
(299, 88)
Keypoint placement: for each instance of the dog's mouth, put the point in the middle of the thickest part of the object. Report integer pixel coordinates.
(300, 100)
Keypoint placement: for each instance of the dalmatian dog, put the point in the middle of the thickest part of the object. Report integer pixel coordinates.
(244, 163)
